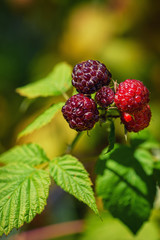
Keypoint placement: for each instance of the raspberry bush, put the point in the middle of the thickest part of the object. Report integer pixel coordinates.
(127, 174)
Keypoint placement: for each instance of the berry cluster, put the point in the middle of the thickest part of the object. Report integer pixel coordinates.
(80, 110)
(131, 98)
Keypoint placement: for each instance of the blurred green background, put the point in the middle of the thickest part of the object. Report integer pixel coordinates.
(37, 34)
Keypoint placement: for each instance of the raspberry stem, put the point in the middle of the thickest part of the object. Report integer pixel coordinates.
(115, 85)
(71, 146)
(125, 134)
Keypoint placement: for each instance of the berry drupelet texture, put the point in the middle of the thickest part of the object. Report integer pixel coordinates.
(80, 112)
(137, 121)
(104, 97)
(131, 96)
(90, 76)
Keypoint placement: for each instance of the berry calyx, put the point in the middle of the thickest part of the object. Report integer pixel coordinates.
(89, 76)
(131, 96)
(137, 121)
(80, 112)
(104, 97)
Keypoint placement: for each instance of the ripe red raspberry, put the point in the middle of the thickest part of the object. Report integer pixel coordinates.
(131, 96)
(104, 97)
(80, 112)
(137, 121)
(90, 76)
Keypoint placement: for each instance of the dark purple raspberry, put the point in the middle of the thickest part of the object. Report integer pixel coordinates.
(80, 112)
(90, 76)
(131, 96)
(104, 97)
(137, 121)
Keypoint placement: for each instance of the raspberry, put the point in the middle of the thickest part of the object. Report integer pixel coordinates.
(90, 76)
(105, 96)
(131, 96)
(137, 121)
(80, 112)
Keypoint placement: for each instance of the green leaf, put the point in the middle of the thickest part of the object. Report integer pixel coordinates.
(157, 172)
(145, 159)
(42, 120)
(157, 165)
(56, 83)
(70, 175)
(127, 189)
(145, 140)
(23, 194)
(31, 154)
(111, 137)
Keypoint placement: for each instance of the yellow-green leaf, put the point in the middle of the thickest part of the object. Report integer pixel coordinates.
(42, 119)
(56, 83)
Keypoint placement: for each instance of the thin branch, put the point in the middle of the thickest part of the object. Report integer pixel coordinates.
(52, 231)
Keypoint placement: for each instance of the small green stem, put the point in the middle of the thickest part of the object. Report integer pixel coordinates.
(71, 146)
(115, 84)
(127, 139)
